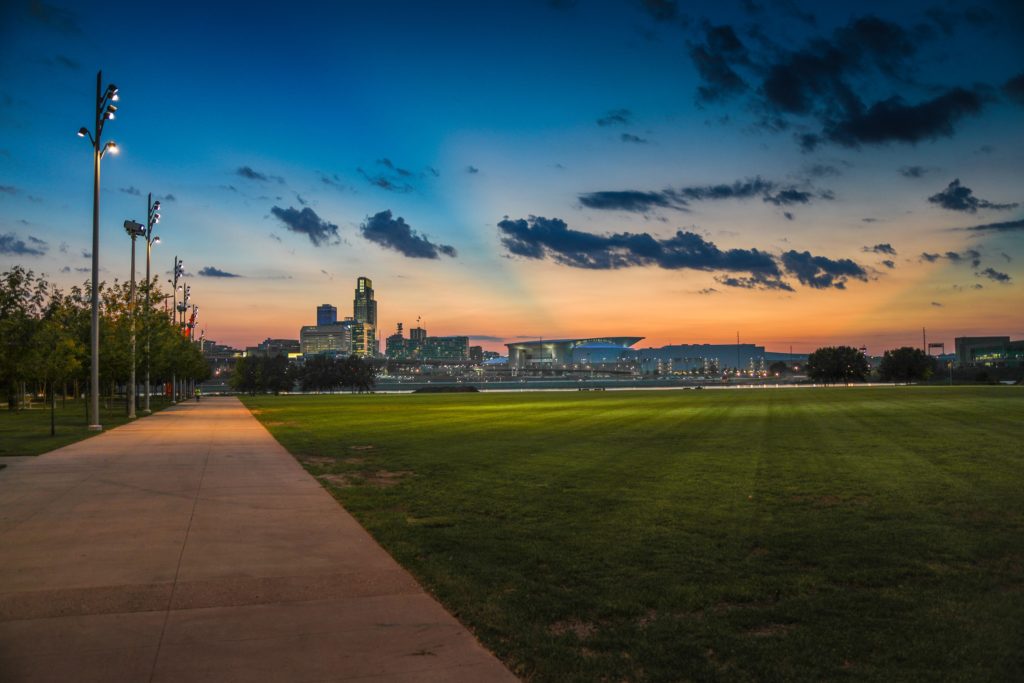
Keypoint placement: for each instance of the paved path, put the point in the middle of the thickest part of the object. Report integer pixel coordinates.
(190, 546)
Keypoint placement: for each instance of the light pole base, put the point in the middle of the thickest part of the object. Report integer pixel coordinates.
(147, 411)
(95, 428)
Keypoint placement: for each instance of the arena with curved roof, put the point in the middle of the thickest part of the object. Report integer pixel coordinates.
(553, 353)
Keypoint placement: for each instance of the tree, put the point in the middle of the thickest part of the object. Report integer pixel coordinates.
(905, 364)
(835, 363)
(778, 368)
(358, 374)
(22, 301)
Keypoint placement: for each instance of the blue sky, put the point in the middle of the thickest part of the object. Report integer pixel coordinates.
(279, 137)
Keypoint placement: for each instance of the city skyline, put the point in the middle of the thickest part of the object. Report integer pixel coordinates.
(802, 175)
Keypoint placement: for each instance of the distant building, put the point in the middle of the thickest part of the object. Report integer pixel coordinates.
(559, 353)
(701, 357)
(334, 339)
(990, 351)
(421, 348)
(364, 307)
(326, 314)
(476, 354)
(268, 348)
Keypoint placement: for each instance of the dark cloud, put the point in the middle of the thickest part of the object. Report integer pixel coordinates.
(756, 281)
(893, 120)
(741, 189)
(211, 271)
(12, 244)
(472, 170)
(132, 190)
(543, 238)
(788, 197)
(9, 189)
(1005, 226)
(307, 222)
(661, 10)
(333, 181)
(402, 172)
(821, 80)
(985, 149)
(170, 198)
(883, 248)
(57, 18)
(995, 275)
(636, 139)
(300, 200)
(616, 117)
(957, 197)
(714, 61)
(968, 255)
(485, 337)
(629, 200)
(823, 171)
(869, 220)
(1014, 88)
(789, 216)
(914, 171)
(638, 201)
(396, 234)
(250, 173)
(707, 291)
(276, 238)
(936, 304)
(889, 263)
(821, 272)
(66, 269)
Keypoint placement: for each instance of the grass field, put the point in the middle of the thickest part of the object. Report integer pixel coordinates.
(793, 534)
(27, 432)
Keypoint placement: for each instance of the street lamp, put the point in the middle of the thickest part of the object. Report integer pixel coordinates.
(104, 112)
(134, 230)
(152, 218)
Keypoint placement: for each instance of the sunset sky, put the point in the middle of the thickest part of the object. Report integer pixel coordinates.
(803, 173)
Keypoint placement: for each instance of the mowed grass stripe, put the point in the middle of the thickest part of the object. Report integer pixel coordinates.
(876, 534)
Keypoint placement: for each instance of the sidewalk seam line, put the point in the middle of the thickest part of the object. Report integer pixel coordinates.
(181, 555)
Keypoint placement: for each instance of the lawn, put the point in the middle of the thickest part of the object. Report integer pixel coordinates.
(27, 432)
(786, 534)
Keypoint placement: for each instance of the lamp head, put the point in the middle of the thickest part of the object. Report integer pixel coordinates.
(83, 131)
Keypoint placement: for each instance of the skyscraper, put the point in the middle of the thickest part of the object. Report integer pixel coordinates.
(326, 314)
(364, 308)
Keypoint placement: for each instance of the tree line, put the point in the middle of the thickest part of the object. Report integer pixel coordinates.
(834, 364)
(274, 374)
(45, 338)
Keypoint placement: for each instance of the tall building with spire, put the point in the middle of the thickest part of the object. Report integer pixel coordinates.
(364, 308)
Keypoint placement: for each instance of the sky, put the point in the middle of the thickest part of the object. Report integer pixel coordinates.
(802, 174)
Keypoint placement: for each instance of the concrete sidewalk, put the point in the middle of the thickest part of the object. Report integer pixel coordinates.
(190, 546)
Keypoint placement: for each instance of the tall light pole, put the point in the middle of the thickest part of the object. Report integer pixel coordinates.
(134, 230)
(105, 109)
(179, 271)
(152, 218)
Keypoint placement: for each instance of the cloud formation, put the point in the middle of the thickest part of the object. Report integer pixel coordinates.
(968, 255)
(883, 248)
(1014, 88)
(250, 173)
(1004, 226)
(616, 117)
(819, 80)
(541, 238)
(306, 222)
(10, 243)
(957, 197)
(212, 271)
(995, 275)
(396, 234)
(635, 139)
(821, 272)
(639, 201)
(914, 171)
(132, 190)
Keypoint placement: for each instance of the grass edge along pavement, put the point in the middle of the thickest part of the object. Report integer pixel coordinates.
(866, 533)
(27, 432)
